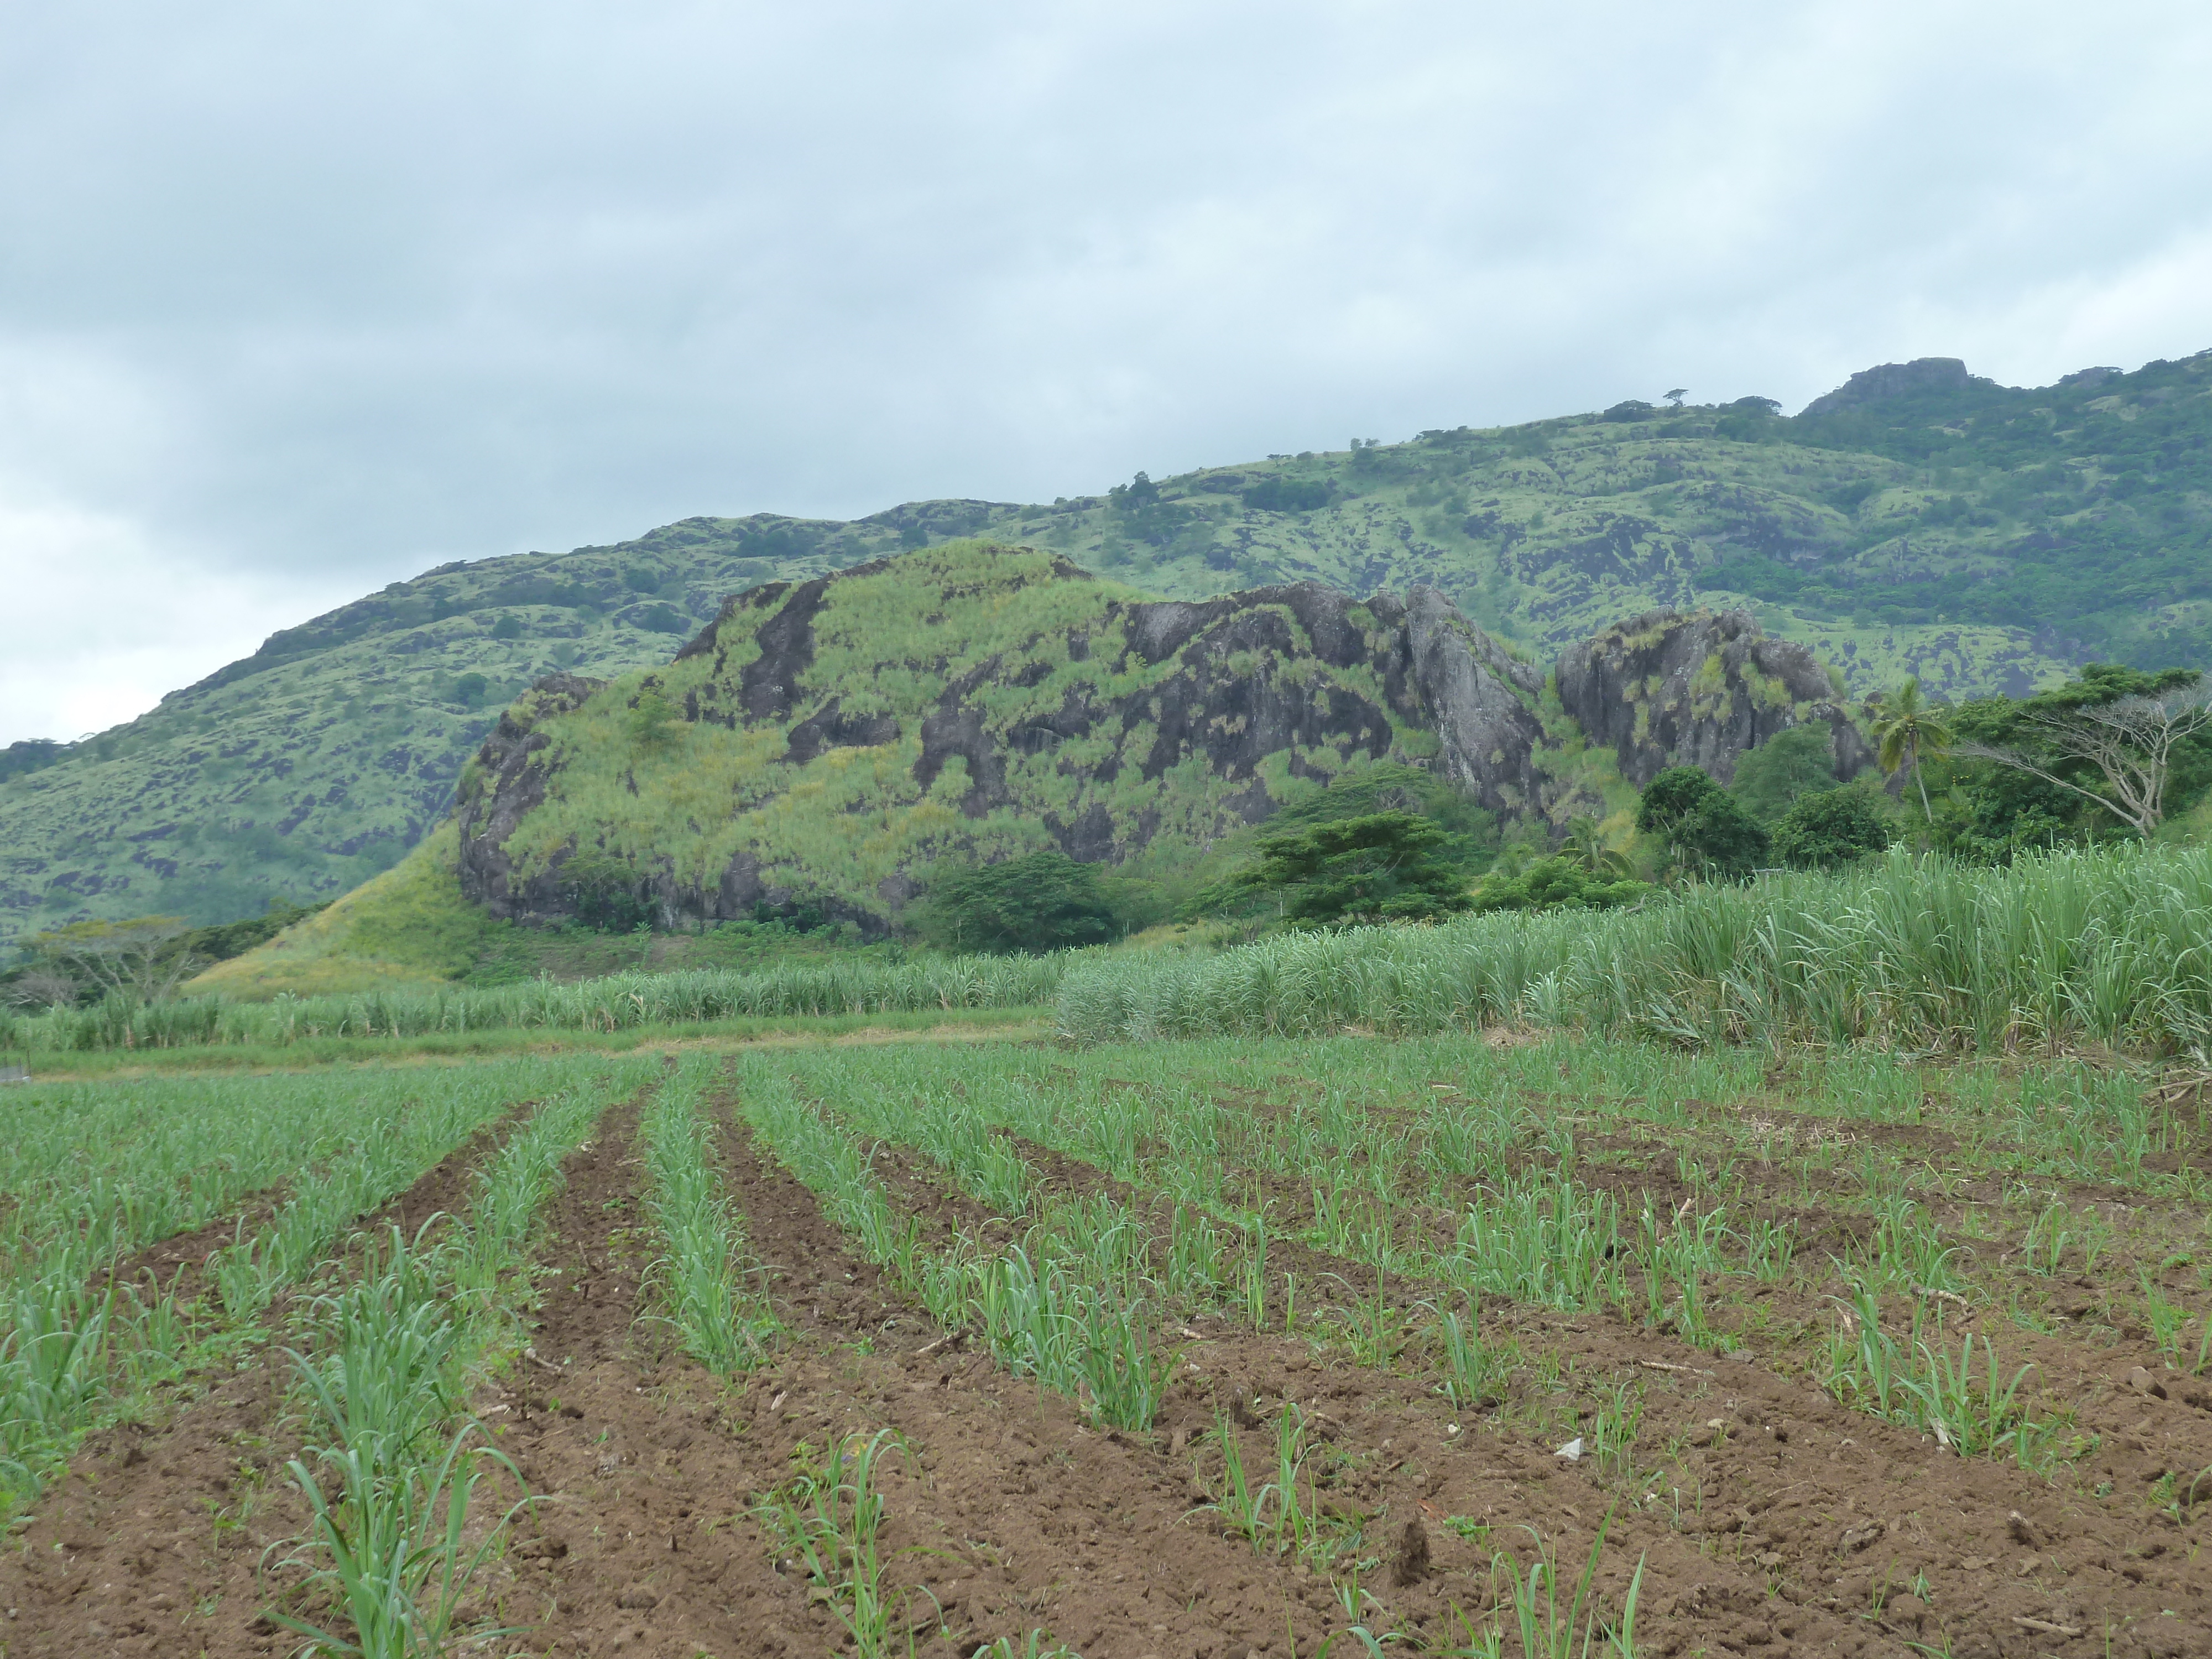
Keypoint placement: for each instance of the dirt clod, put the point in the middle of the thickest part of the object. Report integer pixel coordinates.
(2143, 1383)
(1412, 1564)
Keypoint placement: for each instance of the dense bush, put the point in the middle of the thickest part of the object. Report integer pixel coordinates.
(1829, 830)
(1040, 902)
(1275, 494)
(1707, 833)
(1792, 764)
(605, 894)
(1557, 884)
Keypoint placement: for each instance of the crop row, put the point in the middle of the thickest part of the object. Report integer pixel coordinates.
(74, 1346)
(1458, 1194)
(723, 1322)
(618, 1002)
(2108, 945)
(392, 1466)
(1086, 1294)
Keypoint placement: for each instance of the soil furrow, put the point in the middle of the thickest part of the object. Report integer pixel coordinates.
(1392, 1461)
(1012, 1515)
(1861, 1501)
(151, 1542)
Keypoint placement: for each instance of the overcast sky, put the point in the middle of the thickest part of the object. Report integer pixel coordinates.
(295, 301)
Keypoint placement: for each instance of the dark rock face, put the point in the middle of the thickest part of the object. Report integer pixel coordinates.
(1887, 380)
(501, 788)
(1437, 671)
(1699, 687)
(1487, 736)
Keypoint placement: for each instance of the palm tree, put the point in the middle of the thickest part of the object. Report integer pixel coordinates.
(1908, 733)
(1584, 847)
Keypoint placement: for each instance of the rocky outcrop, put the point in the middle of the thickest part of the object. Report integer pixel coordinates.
(1699, 687)
(1114, 722)
(972, 704)
(1477, 699)
(1886, 382)
(501, 787)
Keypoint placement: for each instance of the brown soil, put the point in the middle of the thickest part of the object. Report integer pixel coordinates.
(151, 1543)
(1801, 1505)
(1018, 1514)
(1799, 1528)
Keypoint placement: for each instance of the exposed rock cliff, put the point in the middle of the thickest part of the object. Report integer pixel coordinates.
(504, 782)
(1477, 699)
(830, 739)
(1699, 687)
(833, 736)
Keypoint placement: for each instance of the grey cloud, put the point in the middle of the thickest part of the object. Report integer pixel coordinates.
(319, 296)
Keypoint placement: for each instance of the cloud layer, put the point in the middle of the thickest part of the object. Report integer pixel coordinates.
(294, 302)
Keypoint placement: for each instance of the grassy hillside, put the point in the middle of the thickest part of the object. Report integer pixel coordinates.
(972, 700)
(1981, 537)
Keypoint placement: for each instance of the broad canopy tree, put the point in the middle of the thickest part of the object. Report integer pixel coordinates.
(2116, 738)
(1380, 867)
(1042, 900)
(1708, 834)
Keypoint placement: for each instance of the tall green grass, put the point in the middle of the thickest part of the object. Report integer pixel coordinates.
(2111, 946)
(618, 1002)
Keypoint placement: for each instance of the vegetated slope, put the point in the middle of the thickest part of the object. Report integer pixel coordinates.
(824, 743)
(1917, 520)
(320, 760)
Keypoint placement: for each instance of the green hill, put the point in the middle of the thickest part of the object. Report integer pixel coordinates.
(1918, 520)
(823, 745)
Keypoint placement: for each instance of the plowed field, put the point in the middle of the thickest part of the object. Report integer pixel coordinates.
(1272, 1348)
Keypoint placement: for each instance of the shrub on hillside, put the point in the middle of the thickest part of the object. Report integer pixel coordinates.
(1832, 829)
(1281, 494)
(1707, 833)
(1039, 902)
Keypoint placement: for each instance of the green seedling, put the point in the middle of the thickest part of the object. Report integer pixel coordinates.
(1544, 1630)
(1475, 1372)
(830, 1515)
(393, 1547)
